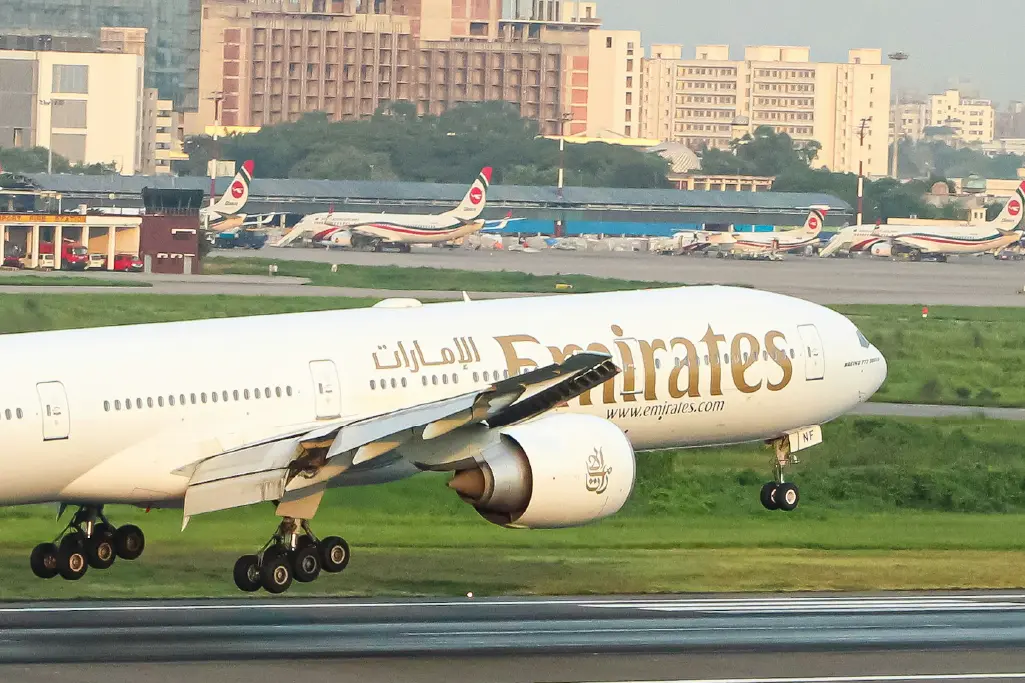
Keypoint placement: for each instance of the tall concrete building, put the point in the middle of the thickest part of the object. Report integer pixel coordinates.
(85, 105)
(172, 50)
(161, 135)
(268, 61)
(972, 120)
(711, 99)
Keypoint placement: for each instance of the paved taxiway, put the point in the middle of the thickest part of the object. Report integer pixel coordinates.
(282, 628)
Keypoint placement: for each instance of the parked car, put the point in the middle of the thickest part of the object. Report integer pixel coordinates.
(96, 262)
(129, 263)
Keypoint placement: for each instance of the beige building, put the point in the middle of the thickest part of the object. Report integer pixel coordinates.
(710, 100)
(162, 135)
(972, 120)
(912, 118)
(86, 106)
(268, 61)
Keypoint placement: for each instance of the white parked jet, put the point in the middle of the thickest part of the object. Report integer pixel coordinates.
(774, 244)
(377, 230)
(939, 241)
(232, 201)
(535, 406)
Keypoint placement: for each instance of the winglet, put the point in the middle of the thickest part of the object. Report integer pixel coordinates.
(486, 172)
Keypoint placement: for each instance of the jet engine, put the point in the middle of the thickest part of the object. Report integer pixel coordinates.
(884, 249)
(558, 471)
(342, 238)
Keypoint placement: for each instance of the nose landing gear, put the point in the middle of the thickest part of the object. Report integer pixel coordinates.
(292, 553)
(89, 540)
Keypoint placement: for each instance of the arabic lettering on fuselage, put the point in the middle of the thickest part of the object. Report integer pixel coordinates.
(746, 351)
(414, 358)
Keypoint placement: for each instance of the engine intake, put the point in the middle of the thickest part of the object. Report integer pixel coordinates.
(558, 471)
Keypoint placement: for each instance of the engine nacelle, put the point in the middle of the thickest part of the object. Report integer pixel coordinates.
(342, 238)
(558, 471)
(884, 249)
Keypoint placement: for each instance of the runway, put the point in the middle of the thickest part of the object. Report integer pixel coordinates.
(803, 635)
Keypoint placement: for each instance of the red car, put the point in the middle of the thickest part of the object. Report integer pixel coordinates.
(129, 263)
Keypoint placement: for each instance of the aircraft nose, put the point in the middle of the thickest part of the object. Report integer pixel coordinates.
(876, 374)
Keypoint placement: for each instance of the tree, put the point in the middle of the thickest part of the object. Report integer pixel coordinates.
(764, 152)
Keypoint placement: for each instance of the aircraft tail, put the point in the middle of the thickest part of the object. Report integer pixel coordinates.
(476, 198)
(1010, 218)
(237, 194)
(816, 217)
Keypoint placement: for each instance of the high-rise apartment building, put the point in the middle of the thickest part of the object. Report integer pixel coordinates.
(972, 120)
(710, 100)
(86, 106)
(911, 119)
(161, 135)
(269, 61)
(172, 50)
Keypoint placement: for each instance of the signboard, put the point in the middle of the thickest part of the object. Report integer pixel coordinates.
(33, 218)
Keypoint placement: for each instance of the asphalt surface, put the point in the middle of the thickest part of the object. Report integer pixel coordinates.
(518, 639)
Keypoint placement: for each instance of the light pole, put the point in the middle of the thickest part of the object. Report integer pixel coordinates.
(566, 118)
(49, 141)
(216, 97)
(862, 129)
(898, 123)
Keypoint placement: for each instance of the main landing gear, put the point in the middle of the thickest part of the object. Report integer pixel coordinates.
(778, 494)
(89, 540)
(292, 553)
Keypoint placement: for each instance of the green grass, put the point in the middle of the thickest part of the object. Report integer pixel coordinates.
(958, 355)
(66, 281)
(886, 504)
(438, 279)
(38, 312)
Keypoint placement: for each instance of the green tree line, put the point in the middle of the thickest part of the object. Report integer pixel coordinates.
(33, 160)
(396, 144)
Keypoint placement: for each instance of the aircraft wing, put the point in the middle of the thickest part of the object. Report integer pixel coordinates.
(272, 469)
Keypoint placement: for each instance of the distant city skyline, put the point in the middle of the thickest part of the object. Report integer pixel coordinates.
(951, 44)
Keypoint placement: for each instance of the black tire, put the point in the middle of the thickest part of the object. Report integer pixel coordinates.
(72, 562)
(306, 564)
(334, 554)
(276, 550)
(768, 496)
(104, 528)
(100, 551)
(304, 541)
(44, 560)
(129, 542)
(247, 573)
(276, 574)
(787, 497)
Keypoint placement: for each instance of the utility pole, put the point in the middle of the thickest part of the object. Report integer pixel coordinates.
(862, 129)
(898, 122)
(216, 97)
(51, 103)
(562, 152)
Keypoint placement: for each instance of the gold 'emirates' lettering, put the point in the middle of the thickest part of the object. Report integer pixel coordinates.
(684, 377)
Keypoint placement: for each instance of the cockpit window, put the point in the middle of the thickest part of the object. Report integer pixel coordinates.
(861, 340)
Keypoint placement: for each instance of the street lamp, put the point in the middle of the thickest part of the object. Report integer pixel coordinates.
(49, 141)
(862, 130)
(898, 123)
(564, 119)
(216, 97)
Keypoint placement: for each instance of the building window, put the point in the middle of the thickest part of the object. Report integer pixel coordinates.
(70, 78)
(608, 42)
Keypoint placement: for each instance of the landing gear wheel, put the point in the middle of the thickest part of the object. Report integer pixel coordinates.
(334, 552)
(72, 563)
(129, 542)
(276, 574)
(306, 564)
(44, 560)
(787, 497)
(768, 496)
(100, 551)
(247, 573)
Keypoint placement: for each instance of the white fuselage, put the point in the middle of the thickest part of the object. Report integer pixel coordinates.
(701, 365)
(337, 228)
(762, 242)
(956, 239)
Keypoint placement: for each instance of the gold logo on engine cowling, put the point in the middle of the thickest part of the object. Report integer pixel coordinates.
(597, 473)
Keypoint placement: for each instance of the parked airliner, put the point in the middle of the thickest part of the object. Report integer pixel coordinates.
(378, 230)
(231, 202)
(916, 241)
(535, 406)
(774, 244)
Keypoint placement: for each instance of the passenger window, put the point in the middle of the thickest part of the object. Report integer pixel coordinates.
(746, 356)
(234, 394)
(224, 395)
(117, 405)
(455, 378)
(726, 359)
(160, 401)
(373, 385)
(487, 376)
(193, 397)
(434, 380)
(403, 382)
(213, 396)
(658, 364)
(106, 407)
(384, 384)
(202, 397)
(476, 376)
(288, 390)
(393, 382)
(138, 403)
(170, 399)
(256, 392)
(277, 392)
(424, 378)
(128, 404)
(266, 392)
(181, 399)
(792, 354)
(765, 355)
(149, 402)
(19, 413)
(245, 394)
(444, 379)
(507, 374)
(706, 360)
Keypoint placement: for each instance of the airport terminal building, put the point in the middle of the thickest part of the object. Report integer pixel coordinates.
(546, 210)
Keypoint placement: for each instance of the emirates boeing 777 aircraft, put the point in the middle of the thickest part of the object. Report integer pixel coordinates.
(534, 405)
